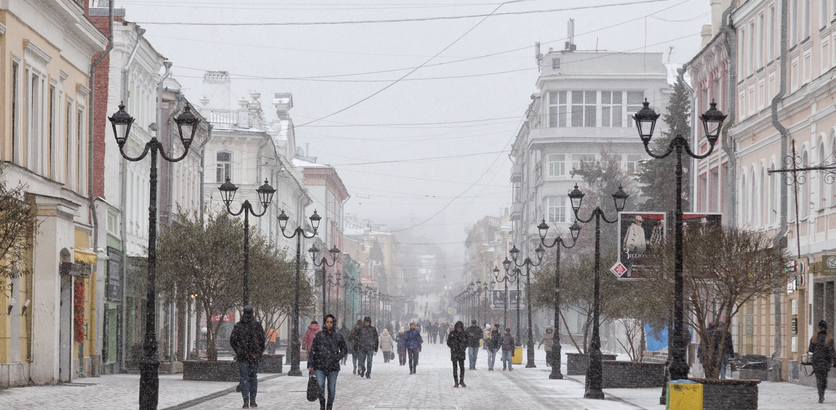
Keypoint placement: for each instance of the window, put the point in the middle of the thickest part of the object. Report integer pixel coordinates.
(15, 110)
(750, 52)
(557, 109)
(584, 104)
(224, 167)
(112, 223)
(81, 172)
(557, 165)
(634, 104)
(762, 38)
(50, 160)
(633, 164)
(806, 23)
(556, 208)
(68, 171)
(578, 158)
(823, 14)
(770, 42)
(804, 194)
(611, 108)
(793, 24)
(555, 64)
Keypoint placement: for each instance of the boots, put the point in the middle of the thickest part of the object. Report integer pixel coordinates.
(456, 386)
(322, 405)
(461, 383)
(329, 407)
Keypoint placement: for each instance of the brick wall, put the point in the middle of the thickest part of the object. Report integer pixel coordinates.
(632, 375)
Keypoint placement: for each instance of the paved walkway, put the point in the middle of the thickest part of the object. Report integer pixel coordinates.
(391, 387)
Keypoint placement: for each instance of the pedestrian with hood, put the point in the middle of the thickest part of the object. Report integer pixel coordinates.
(548, 340)
(386, 344)
(457, 341)
(313, 329)
(327, 349)
(401, 348)
(493, 346)
(352, 340)
(412, 342)
(507, 344)
(474, 334)
(824, 356)
(248, 341)
(367, 345)
(486, 336)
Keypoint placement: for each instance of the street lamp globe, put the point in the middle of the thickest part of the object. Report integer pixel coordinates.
(187, 125)
(576, 196)
(121, 122)
(575, 231)
(712, 122)
(283, 218)
(646, 122)
(228, 190)
(315, 218)
(265, 194)
(620, 198)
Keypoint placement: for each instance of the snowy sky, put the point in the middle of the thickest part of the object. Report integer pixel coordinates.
(417, 114)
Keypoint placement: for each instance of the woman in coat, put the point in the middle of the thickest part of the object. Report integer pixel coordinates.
(821, 345)
(548, 340)
(386, 343)
(326, 351)
(457, 342)
(401, 348)
(352, 340)
(493, 346)
(313, 329)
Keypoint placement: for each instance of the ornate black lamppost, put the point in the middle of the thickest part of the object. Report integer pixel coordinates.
(323, 263)
(558, 243)
(265, 195)
(528, 263)
(298, 233)
(712, 121)
(186, 126)
(506, 279)
(486, 289)
(594, 373)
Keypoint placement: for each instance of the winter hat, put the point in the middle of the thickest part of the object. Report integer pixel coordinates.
(248, 313)
(459, 324)
(472, 322)
(823, 324)
(367, 319)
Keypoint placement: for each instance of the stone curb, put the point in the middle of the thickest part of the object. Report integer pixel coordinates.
(213, 396)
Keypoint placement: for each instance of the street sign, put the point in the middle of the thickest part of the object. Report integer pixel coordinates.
(618, 269)
(313, 298)
(493, 306)
(449, 311)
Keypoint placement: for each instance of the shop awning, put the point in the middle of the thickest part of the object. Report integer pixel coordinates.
(85, 255)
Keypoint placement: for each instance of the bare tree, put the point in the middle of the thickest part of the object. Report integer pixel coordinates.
(18, 229)
(723, 268)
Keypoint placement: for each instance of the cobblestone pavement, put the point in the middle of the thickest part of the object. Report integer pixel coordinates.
(391, 388)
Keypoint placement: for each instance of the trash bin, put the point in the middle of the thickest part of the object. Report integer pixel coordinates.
(684, 395)
(518, 354)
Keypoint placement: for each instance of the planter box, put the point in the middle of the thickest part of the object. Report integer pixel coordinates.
(729, 394)
(632, 375)
(215, 371)
(270, 363)
(165, 367)
(577, 364)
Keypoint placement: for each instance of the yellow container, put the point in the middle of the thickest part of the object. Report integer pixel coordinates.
(684, 395)
(518, 354)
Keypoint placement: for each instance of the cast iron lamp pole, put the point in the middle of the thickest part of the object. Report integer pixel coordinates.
(121, 121)
(528, 263)
(558, 243)
(477, 293)
(594, 373)
(265, 195)
(298, 233)
(712, 121)
(323, 263)
(506, 279)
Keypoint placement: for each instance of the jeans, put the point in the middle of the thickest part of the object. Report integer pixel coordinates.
(364, 360)
(248, 370)
(725, 363)
(472, 353)
(506, 358)
(821, 382)
(413, 359)
(321, 376)
(491, 358)
(460, 364)
(354, 357)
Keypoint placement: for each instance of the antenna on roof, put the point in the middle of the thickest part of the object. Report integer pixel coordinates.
(570, 35)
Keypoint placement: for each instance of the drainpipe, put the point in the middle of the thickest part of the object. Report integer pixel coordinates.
(91, 197)
(785, 134)
(123, 201)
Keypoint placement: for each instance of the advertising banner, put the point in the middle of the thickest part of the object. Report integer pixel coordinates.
(638, 232)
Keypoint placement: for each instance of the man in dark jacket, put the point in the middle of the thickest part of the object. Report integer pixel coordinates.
(248, 342)
(367, 343)
(412, 344)
(821, 345)
(327, 349)
(493, 346)
(474, 334)
(457, 341)
(508, 346)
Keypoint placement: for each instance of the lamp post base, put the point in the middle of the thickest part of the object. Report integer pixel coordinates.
(294, 359)
(149, 383)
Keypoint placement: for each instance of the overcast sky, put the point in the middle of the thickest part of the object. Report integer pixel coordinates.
(417, 114)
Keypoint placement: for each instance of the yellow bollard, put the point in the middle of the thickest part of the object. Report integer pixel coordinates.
(684, 395)
(517, 357)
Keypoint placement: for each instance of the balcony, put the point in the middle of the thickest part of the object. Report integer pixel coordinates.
(516, 211)
(516, 173)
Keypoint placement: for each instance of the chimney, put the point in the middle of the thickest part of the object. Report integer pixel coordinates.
(283, 103)
(216, 86)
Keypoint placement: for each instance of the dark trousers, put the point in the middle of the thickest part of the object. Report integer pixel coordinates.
(248, 371)
(413, 359)
(460, 375)
(821, 382)
(548, 358)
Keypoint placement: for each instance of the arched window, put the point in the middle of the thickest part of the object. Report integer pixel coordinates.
(821, 195)
(804, 189)
(752, 211)
(744, 215)
(223, 169)
(831, 187)
(763, 208)
(774, 191)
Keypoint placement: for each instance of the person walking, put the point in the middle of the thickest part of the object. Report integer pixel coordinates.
(401, 348)
(507, 344)
(548, 340)
(474, 334)
(327, 349)
(272, 340)
(352, 340)
(412, 343)
(386, 344)
(457, 341)
(493, 346)
(343, 331)
(313, 329)
(442, 332)
(728, 350)
(248, 341)
(486, 336)
(824, 356)
(368, 343)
